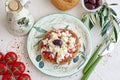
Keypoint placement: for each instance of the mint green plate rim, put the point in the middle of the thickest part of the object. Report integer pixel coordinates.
(89, 35)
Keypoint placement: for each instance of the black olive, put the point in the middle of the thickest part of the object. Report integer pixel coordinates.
(93, 1)
(98, 3)
(57, 42)
(90, 6)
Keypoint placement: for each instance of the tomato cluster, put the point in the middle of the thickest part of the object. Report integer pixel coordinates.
(11, 69)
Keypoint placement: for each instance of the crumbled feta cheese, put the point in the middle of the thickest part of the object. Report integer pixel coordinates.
(71, 43)
(68, 34)
(62, 51)
(54, 35)
(72, 40)
(63, 34)
(64, 39)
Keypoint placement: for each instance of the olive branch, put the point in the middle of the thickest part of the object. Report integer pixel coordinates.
(106, 18)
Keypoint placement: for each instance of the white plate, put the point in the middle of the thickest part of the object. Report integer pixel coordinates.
(59, 21)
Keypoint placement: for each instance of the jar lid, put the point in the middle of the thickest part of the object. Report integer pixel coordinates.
(14, 5)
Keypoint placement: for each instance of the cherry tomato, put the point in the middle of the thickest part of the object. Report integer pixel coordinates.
(8, 77)
(9, 67)
(1, 56)
(24, 77)
(10, 57)
(7, 72)
(18, 68)
(3, 68)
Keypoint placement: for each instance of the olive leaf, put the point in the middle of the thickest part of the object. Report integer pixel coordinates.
(97, 18)
(114, 19)
(113, 12)
(92, 18)
(106, 17)
(103, 8)
(101, 20)
(116, 35)
(84, 18)
(91, 25)
(105, 28)
(91, 21)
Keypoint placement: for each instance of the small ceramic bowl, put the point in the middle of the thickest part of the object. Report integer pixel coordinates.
(90, 10)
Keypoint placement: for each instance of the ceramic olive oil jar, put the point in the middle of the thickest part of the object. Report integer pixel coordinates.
(20, 21)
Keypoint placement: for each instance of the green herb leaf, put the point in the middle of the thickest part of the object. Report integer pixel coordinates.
(116, 25)
(91, 25)
(67, 27)
(116, 35)
(107, 14)
(102, 9)
(101, 20)
(105, 28)
(84, 19)
(92, 18)
(97, 18)
(113, 12)
(115, 20)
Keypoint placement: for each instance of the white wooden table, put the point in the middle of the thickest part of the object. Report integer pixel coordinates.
(107, 69)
